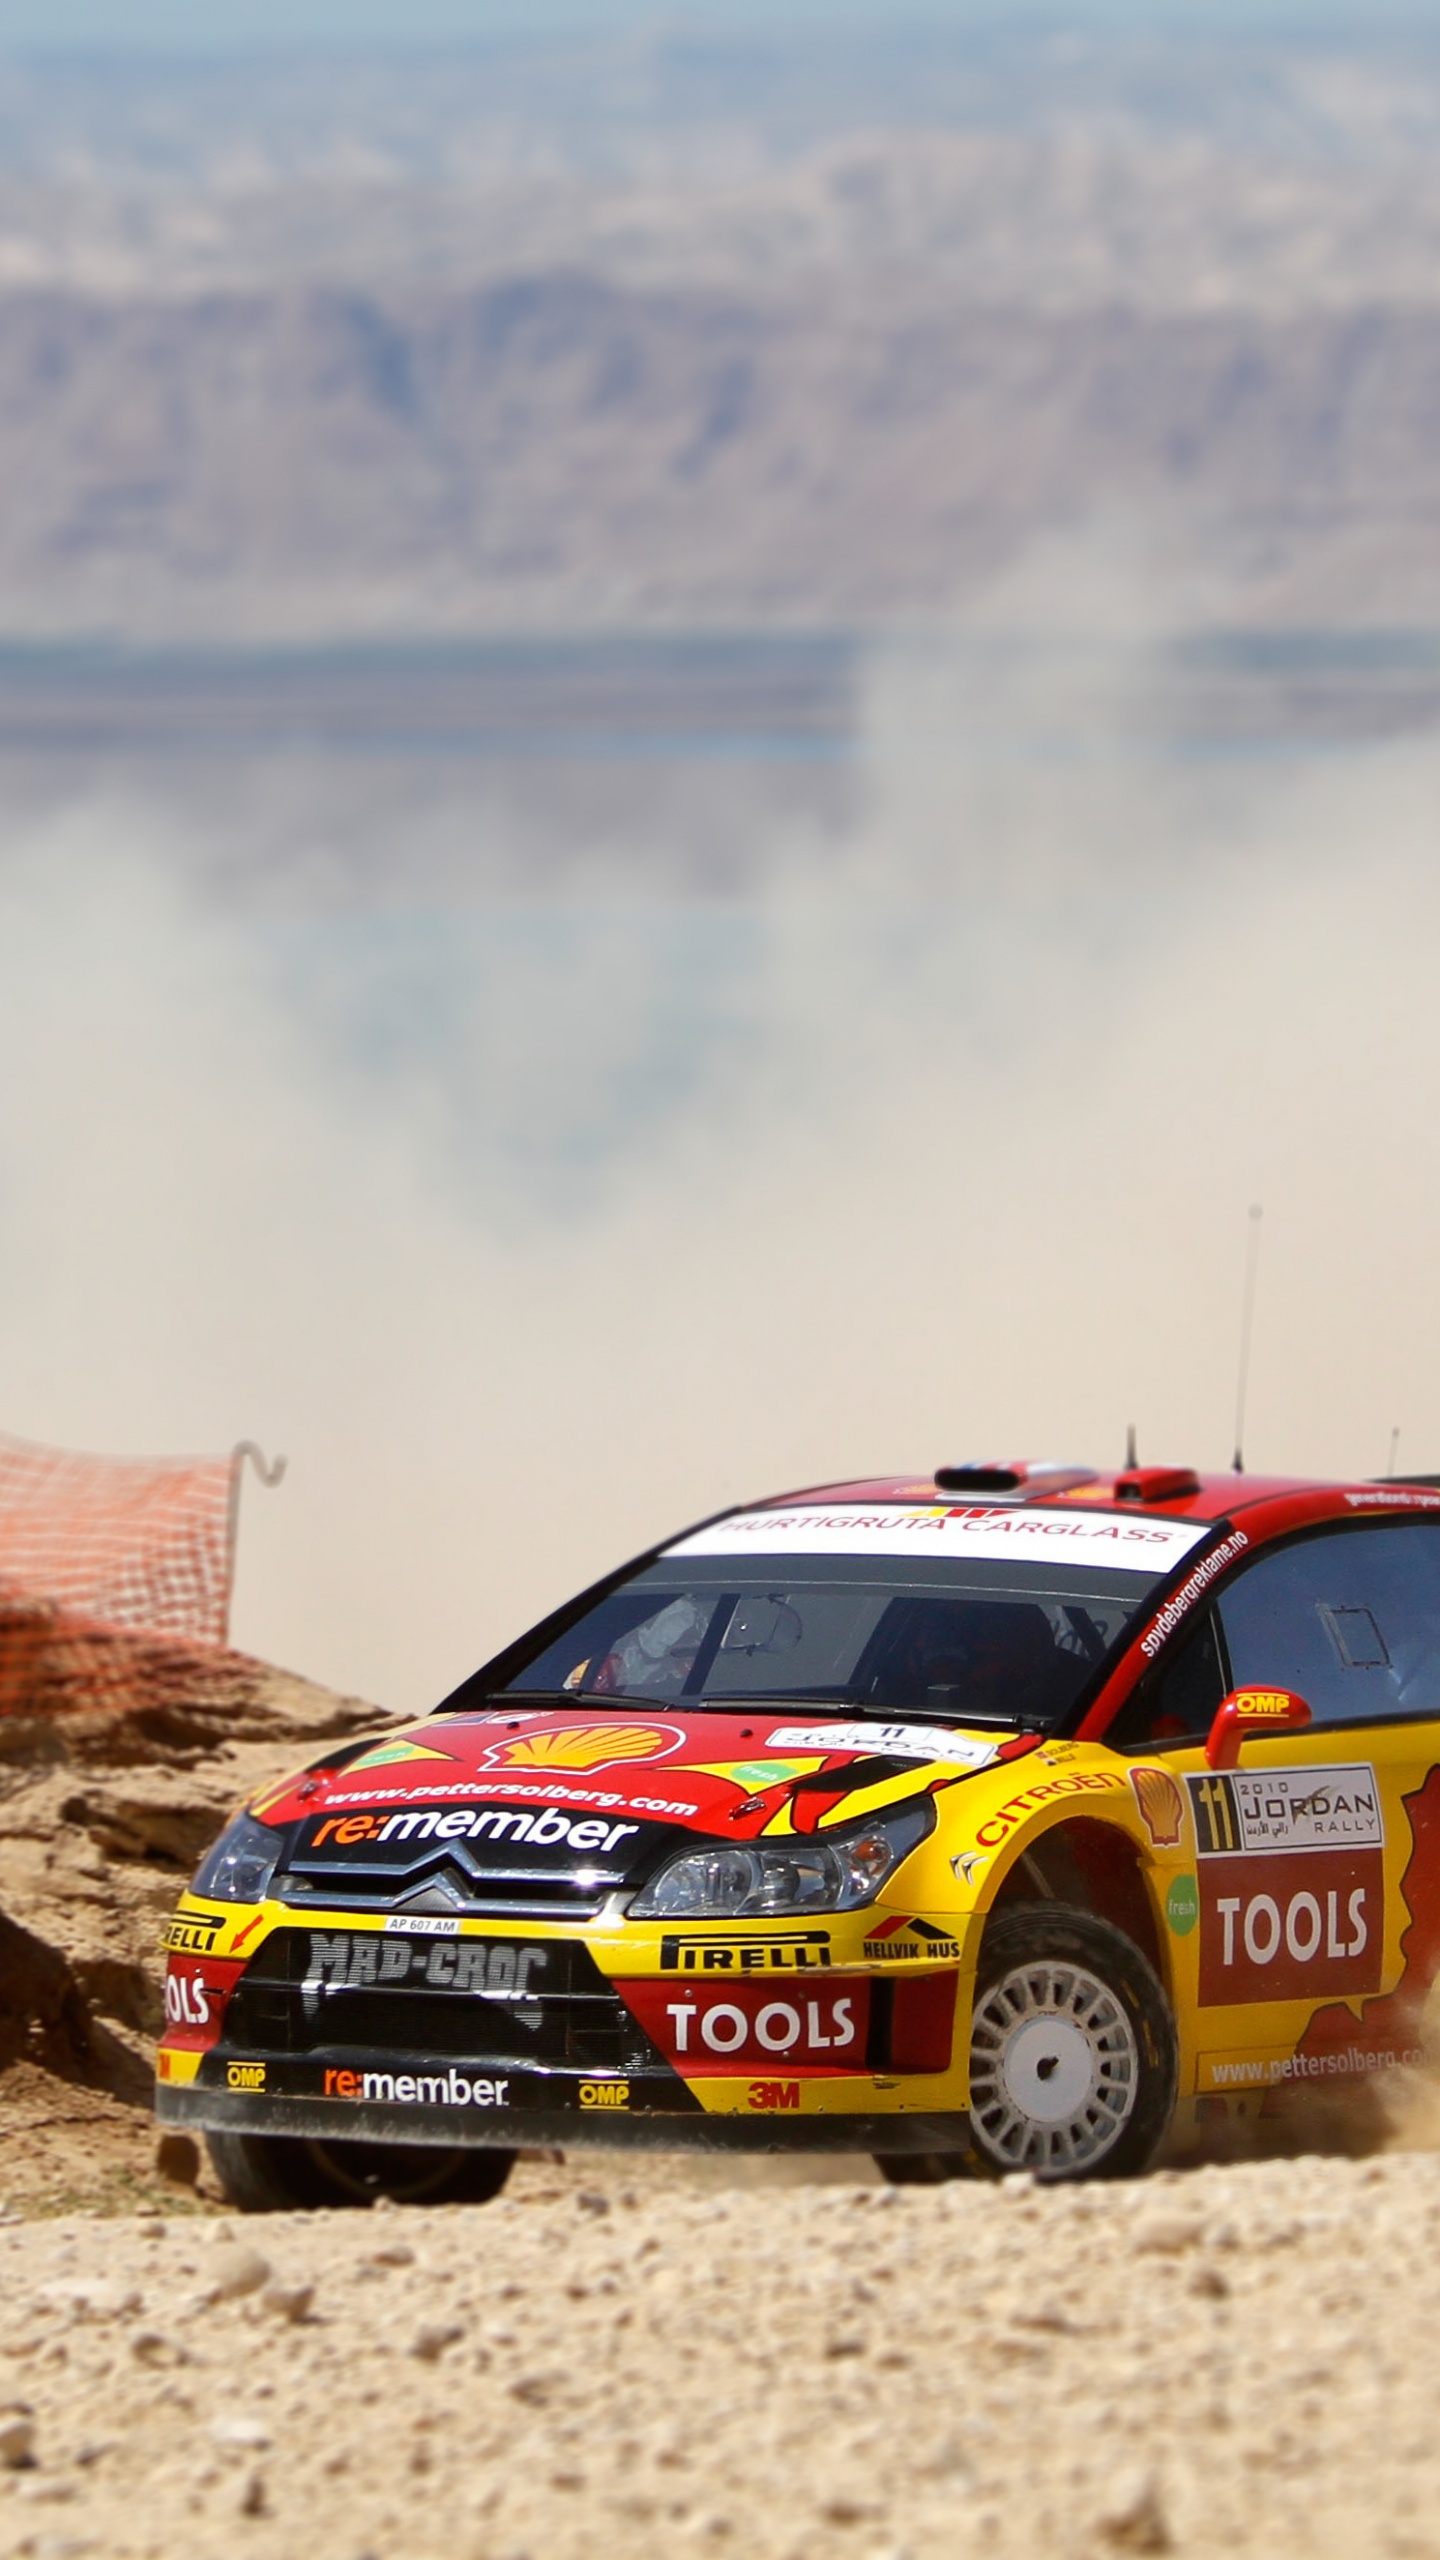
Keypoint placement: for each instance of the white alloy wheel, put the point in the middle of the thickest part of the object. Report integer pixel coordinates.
(1054, 2068)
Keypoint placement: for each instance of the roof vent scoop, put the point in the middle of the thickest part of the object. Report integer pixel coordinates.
(1037, 1478)
(1156, 1484)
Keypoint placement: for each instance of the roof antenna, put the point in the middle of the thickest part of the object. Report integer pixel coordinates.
(1247, 1325)
(1131, 1461)
(1394, 1451)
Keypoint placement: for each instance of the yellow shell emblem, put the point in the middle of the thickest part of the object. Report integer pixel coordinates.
(581, 1746)
(1162, 1806)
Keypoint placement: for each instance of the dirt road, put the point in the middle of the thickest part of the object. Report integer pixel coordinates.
(613, 2361)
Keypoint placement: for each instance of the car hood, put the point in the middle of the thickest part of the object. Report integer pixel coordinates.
(735, 1774)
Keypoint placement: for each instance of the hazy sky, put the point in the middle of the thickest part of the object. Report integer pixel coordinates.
(61, 25)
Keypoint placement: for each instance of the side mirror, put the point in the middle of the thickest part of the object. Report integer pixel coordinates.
(1247, 1712)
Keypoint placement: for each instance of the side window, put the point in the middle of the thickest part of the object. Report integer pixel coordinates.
(1349, 1618)
(1176, 1701)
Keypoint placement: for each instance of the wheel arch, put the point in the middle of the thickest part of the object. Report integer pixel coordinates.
(1092, 1865)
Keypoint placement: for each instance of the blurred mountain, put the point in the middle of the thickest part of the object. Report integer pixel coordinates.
(434, 352)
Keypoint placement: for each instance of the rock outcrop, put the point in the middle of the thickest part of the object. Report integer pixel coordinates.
(120, 1759)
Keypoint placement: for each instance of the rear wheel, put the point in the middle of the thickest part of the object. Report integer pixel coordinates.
(275, 2173)
(1072, 2049)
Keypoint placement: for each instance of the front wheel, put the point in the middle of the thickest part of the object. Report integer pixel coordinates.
(920, 2168)
(1073, 2058)
(276, 2173)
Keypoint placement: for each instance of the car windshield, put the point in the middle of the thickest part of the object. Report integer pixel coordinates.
(974, 1642)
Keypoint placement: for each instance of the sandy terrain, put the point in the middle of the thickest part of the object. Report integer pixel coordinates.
(628, 2356)
(1239, 2360)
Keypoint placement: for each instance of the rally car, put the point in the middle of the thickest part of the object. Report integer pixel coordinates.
(1015, 1818)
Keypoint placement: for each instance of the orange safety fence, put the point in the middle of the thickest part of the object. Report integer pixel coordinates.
(97, 1550)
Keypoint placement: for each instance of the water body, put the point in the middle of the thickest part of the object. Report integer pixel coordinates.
(677, 763)
(751, 696)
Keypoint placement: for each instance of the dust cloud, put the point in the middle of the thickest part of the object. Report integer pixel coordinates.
(538, 1208)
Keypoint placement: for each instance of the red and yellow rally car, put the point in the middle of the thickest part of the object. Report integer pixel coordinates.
(1016, 1818)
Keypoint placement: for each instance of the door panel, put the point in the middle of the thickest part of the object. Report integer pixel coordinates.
(1305, 1951)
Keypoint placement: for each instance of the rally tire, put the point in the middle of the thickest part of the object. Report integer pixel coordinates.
(1073, 2053)
(276, 2173)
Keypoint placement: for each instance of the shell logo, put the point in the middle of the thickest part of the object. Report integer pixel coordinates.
(1162, 1807)
(584, 1746)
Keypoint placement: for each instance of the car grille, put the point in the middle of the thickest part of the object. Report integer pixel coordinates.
(514, 1894)
(303, 1995)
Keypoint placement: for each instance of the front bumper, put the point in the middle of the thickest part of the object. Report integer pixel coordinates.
(754, 2042)
(564, 2127)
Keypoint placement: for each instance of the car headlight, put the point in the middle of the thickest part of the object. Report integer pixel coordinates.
(771, 1878)
(241, 1864)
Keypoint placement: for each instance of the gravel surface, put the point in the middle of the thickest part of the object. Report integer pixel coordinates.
(620, 2359)
(785, 2360)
